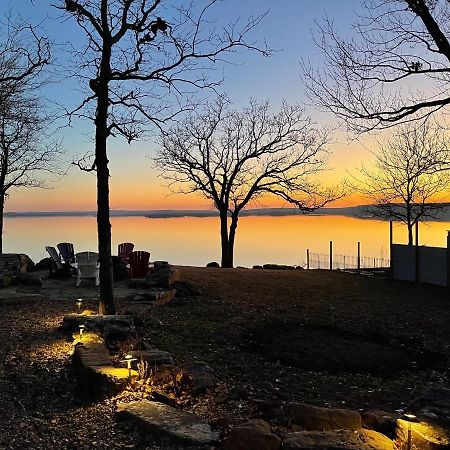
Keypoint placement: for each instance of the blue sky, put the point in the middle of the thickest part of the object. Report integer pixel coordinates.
(287, 28)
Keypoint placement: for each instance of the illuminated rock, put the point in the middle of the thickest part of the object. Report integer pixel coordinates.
(252, 435)
(424, 436)
(308, 417)
(337, 440)
(96, 372)
(158, 418)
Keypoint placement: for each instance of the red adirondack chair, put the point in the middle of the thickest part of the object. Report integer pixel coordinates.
(124, 251)
(138, 262)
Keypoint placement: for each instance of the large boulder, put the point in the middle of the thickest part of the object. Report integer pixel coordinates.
(252, 435)
(307, 417)
(427, 420)
(381, 421)
(158, 418)
(97, 375)
(213, 264)
(337, 440)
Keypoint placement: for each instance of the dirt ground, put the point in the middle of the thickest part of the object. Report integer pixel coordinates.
(326, 338)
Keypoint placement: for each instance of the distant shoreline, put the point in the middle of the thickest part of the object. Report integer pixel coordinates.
(351, 211)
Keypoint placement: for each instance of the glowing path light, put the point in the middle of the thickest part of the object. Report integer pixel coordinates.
(129, 359)
(409, 418)
(81, 331)
(79, 303)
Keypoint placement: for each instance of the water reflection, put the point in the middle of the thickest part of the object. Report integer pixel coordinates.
(195, 241)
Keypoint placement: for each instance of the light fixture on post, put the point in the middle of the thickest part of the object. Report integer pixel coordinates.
(79, 303)
(409, 418)
(129, 359)
(81, 327)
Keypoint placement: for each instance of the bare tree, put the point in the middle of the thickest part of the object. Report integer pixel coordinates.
(27, 153)
(406, 180)
(233, 158)
(23, 56)
(142, 58)
(395, 68)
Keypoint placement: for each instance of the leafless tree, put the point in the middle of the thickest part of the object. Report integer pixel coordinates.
(395, 68)
(236, 157)
(25, 151)
(28, 154)
(23, 56)
(406, 182)
(142, 59)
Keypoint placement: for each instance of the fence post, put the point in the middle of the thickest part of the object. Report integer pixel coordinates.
(307, 258)
(391, 244)
(448, 259)
(417, 267)
(359, 257)
(331, 255)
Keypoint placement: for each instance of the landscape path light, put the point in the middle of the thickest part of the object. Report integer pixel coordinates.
(409, 418)
(79, 303)
(129, 359)
(81, 331)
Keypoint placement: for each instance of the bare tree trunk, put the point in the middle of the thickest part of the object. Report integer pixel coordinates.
(224, 239)
(2, 209)
(409, 224)
(231, 239)
(101, 160)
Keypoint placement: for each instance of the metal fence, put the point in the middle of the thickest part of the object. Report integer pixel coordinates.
(343, 262)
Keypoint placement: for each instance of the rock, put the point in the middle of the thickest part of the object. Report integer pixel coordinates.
(10, 263)
(159, 418)
(113, 332)
(428, 417)
(5, 281)
(153, 357)
(309, 417)
(43, 264)
(185, 289)
(380, 421)
(269, 409)
(252, 435)
(97, 375)
(164, 276)
(257, 267)
(424, 435)
(213, 264)
(337, 440)
(154, 296)
(201, 378)
(277, 267)
(161, 397)
(72, 322)
(26, 264)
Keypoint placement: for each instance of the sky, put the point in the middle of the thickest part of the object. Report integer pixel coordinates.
(134, 184)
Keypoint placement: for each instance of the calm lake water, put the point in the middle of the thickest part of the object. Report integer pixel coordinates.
(195, 241)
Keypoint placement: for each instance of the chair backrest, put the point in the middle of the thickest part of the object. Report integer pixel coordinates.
(66, 251)
(87, 258)
(139, 263)
(124, 250)
(55, 257)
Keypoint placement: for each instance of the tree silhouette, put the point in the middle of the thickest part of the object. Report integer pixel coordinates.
(235, 157)
(143, 59)
(395, 69)
(25, 150)
(407, 176)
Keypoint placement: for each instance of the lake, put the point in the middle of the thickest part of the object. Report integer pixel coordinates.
(195, 241)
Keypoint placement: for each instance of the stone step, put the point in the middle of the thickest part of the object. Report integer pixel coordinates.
(338, 439)
(71, 322)
(97, 375)
(162, 419)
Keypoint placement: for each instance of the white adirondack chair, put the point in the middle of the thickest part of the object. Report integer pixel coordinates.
(87, 266)
(55, 257)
